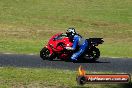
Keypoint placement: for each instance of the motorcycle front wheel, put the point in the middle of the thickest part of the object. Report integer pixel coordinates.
(44, 53)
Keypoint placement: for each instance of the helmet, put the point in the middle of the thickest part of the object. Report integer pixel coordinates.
(71, 32)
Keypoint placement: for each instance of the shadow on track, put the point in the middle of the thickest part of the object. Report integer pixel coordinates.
(93, 62)
(86, 61)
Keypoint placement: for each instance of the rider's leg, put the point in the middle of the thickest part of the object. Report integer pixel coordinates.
(77, 54)
(80, 52)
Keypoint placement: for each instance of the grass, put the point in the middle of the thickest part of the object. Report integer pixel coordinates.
(26, 25)
(116, 49)
(11, 77)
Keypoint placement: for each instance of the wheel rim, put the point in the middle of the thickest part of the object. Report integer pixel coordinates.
(92, 56)
(45, 53)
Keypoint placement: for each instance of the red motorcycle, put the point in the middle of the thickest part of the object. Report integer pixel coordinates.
(56, 48)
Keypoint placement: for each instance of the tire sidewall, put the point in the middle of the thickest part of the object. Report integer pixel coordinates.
(46, 51)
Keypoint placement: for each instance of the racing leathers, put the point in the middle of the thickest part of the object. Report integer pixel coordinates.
(82, 43)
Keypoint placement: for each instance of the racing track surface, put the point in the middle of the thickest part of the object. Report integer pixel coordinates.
(33, 61)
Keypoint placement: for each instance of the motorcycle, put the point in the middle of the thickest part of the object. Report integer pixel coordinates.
(56, 48)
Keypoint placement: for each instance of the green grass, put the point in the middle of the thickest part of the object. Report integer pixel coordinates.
(26, 25)
(116, 49)
(40, 78)
(60, 12)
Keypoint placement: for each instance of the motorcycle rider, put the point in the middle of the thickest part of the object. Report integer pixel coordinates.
(77, 41)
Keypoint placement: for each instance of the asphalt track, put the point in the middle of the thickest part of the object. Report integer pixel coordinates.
(119, 65)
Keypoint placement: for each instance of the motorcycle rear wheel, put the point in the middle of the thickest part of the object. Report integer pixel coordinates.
(93, 54)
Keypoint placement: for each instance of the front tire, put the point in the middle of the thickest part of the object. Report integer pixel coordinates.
(44, 53)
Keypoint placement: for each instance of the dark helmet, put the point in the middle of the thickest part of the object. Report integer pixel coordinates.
(70, 32)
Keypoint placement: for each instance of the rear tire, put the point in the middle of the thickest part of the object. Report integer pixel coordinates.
(44, 53)
(93, 54)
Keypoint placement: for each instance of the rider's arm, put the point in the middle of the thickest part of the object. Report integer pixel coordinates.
(75, 42)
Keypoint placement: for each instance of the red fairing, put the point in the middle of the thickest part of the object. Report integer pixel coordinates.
(54, 44)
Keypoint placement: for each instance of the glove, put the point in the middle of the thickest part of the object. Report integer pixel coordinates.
(69, 48)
